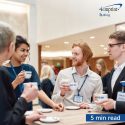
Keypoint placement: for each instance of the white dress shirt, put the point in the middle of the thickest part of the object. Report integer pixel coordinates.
(93, 84)
(118, 70)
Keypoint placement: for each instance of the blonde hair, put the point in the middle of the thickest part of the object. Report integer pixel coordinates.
(102, 63)
(45, 72)
(87, 52)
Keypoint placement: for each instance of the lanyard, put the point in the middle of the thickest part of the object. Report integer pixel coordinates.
(82, 83)
(14, 69)
(21, 87)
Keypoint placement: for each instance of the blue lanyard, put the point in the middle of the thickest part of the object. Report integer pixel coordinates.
(14, 69)
(20, 86)
(82, 83)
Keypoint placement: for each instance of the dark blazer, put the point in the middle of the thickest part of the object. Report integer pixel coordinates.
(11, 111)
(104, 81)
(120, 106)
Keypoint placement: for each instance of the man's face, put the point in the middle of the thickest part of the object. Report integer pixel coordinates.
(114, 49)
(77, 56)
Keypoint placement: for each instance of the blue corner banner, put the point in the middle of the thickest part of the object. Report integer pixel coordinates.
(105, 117)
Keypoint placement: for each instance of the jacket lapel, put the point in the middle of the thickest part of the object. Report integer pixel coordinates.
(109, 84)
(117, 86)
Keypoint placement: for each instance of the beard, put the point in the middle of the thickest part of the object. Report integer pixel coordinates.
(76, 62)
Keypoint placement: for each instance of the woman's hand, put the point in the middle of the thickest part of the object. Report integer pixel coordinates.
(19, 79)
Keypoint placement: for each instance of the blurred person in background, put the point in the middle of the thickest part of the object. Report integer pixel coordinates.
(17, 68)
(103, 71)
(12, 110)
(46, 83)
(101, 67)
(52, 73)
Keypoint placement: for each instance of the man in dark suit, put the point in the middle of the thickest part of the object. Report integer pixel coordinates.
(116, 50)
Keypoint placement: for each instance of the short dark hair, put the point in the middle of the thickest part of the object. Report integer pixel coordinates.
(20, 40)
(118, 35)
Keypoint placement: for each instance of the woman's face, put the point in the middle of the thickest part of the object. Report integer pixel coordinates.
(21, 53)
(98, 67)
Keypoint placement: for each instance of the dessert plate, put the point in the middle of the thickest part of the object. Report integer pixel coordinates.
(45, 110)
(72, 107)
(49, 119)
(29, 112)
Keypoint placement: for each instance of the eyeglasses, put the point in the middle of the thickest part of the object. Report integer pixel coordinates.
(112, 45)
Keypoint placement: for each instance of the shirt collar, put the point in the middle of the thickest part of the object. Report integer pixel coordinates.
(120, 67)
(75, 72)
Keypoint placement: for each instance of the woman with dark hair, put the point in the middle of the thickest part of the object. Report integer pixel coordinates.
(12, 110)
(18, 69)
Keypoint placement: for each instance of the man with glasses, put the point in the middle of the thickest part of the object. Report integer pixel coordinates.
(116, 50)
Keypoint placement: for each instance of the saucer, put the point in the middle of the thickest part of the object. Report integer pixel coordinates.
(45, 110)
(50, 119)
(28, 113)
(72, 107)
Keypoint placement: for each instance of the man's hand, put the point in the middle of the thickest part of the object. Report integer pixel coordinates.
(58, 107)
(84, 106)
(30, 92)
(33, 117)
(107, 104)
(64, 89)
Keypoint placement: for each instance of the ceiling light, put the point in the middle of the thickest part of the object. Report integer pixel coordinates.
(92, 37)
(66, 42)
(120, 27)
(56, 54)
(105, 48)
(47, 46)
(14, 7)
(101, 45)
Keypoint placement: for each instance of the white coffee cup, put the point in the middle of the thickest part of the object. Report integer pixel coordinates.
(65, 82)
(100, 97)
(28, 74)
(73, 85)
(33, 83)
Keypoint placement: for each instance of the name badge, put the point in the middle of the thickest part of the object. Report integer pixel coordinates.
(78, 99)
(120, 96)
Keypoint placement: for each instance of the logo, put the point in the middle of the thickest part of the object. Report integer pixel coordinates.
(107, 10)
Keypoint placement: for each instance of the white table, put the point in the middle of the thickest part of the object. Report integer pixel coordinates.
(73, 117)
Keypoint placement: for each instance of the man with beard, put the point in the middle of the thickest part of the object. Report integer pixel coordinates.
(76, 85)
